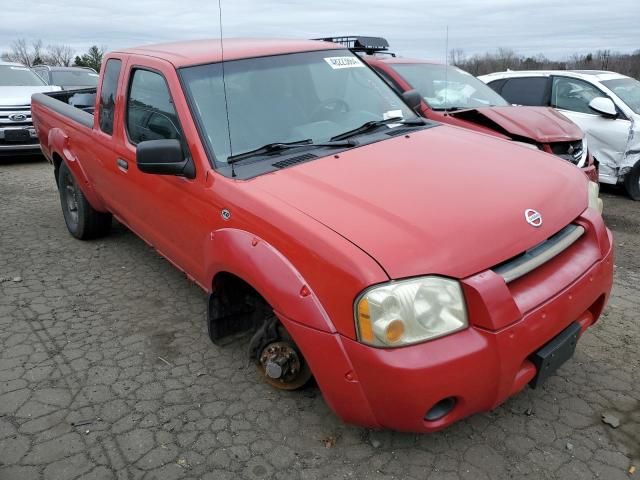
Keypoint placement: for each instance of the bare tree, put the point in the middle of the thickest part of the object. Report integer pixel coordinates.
(502, 59)
(19, 52)
(506, 57)
(22, 52)
(456, 56)
(59, 55)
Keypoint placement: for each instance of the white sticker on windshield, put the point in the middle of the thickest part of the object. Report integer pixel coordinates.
(343, 62)
(392, 114)
(19, 68)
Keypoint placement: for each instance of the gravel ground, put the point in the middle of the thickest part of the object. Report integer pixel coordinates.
(106, 372)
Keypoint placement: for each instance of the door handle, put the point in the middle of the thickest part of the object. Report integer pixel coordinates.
(123, 164)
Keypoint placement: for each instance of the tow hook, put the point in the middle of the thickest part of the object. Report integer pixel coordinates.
(283, 367)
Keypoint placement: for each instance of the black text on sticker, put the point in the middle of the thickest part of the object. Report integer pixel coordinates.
(343, 62)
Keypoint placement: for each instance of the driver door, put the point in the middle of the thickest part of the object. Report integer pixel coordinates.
(607, 137)
(165, 210)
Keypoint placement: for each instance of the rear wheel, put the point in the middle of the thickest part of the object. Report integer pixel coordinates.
(83, 221)
(632, 182)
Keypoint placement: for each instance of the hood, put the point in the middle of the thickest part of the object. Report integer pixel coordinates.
(13, 96)
(541, 124)
(444, 201)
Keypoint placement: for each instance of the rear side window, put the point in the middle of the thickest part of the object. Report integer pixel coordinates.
(150, 111)
(526, 91)
(496, 85)
(108, 95)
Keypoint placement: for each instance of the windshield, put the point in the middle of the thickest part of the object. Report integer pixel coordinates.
(285, 98)
(74, 78)
(628, 89)
(448, 87)
(18, 76)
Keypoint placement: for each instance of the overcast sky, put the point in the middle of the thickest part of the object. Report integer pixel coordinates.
(417, 28)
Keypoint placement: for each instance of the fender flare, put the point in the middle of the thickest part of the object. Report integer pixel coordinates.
(58, 145)
(269, 272)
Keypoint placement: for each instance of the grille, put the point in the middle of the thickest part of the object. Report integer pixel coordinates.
(570, 151)
(540, 254)
(293, 160)
(6, 112)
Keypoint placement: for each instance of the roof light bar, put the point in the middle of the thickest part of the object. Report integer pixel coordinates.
(369, 45)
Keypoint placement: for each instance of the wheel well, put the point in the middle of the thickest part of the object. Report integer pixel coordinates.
(57, 161)
(234, 307)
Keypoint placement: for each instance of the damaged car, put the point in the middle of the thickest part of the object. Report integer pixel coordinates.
(452, 96)
(606, 105)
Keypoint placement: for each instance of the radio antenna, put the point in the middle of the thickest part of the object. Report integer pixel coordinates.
(224, 86)
(446, 71)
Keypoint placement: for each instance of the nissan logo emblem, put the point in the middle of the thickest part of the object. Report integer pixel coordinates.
(532, 217)
(17, 117)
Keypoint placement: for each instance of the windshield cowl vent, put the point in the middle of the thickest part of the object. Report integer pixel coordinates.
(293, 160)
(397, 131)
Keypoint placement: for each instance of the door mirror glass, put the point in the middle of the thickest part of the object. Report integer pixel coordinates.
(604, 106)
(412, 98)
(164, 157)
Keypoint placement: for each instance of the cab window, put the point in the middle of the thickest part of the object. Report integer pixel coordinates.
(531, 91)
(150, 111)
(573, 94)
(108, 95)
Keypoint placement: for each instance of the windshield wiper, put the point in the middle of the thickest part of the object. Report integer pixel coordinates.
(279, 146)
(373, 124)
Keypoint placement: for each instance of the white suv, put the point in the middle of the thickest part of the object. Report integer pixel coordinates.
(606, 105)
(17, 84)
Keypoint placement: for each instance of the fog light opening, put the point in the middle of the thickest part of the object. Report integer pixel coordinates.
(440, 409)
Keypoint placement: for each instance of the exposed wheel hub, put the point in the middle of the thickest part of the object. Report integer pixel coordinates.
(282, 366)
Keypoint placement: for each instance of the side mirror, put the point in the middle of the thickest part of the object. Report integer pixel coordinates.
(412, 98)
(604, 106)
(164, 157)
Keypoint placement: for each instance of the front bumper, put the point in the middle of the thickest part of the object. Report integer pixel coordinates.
(30, 146)
(479, 367)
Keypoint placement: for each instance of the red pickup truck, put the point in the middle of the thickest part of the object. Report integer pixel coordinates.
(302, 193)
(453, 96)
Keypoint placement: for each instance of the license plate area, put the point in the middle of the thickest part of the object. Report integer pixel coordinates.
(549, 358)
(17, 135)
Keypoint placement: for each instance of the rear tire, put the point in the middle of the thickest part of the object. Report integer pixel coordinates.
(632, 182)
(83, 221)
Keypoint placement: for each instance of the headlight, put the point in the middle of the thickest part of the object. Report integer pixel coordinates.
(410, 311)
(594, 197)
(585, 151)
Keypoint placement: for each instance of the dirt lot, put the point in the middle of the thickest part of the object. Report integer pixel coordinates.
(106, 372)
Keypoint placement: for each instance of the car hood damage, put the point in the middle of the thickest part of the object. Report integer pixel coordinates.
(417, 204)
(539, 124)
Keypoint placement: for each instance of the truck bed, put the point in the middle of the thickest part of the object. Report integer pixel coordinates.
(78, 105)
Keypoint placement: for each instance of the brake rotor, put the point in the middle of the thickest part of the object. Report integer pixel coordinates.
(283, 367)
